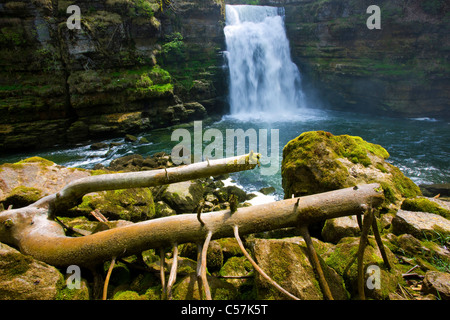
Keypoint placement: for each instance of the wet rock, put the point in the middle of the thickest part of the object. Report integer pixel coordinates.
(420, 224)
(267, 190)
(437, 283)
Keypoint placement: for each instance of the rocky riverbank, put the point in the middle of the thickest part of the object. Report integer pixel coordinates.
(132, 66)
(415, 231)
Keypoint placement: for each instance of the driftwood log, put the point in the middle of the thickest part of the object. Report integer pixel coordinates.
(34, 230)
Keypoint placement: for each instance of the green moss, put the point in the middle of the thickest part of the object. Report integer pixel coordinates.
(127, 204)
(40, 160)
(22, 196)
(16, 264)
(127, 295)
(425, 205)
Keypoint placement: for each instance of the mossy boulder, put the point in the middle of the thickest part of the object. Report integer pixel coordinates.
(336, 229)
(431, 205)
(420, 224)
(287, 263)
(125, 204)
(25, 278)
(318, 161)
(26, 181)
(343, 259)
(184, 196)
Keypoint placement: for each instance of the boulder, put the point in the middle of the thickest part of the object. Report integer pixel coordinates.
(267, 190)
(126, 204)
(319, 161)
(162, 209)
(188, 289)
(24, 278)
(432, 190)
(420, 224)
(287, 263)
(184, 196)
(26, 181)
(437, 283)
(336, 229)
(429, 205)
(343, 259)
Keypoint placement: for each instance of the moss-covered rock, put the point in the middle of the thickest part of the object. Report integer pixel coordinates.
(420, 224)
(427, 205)
(319, 161)
(343, 259)
(287, 263)
(336, 229)
(25, 278)
(188, 289)
(184, 196)
(26, 181)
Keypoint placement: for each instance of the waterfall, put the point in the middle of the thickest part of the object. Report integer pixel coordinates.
(264, 82)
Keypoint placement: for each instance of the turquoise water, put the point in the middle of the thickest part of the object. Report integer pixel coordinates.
(419, 147)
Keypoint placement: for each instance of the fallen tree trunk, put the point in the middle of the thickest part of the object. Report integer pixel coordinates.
(45, 240)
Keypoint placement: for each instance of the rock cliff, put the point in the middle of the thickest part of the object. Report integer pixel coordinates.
(401, 69)
(132, 65)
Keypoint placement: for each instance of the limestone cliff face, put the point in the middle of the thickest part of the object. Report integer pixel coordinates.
(402, 69)
(133, 65)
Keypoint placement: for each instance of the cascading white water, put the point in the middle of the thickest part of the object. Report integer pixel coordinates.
(264, 82)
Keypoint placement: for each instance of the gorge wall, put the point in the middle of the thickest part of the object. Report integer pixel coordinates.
(133, 65)
(400, 70)
(141, 64)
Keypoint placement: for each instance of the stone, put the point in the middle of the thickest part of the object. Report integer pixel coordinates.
(28, 180)
(437, 283)
(99, 146)
(127, 204)
(184, 196)
(420, 224)
(130, 138)
(319, 161)
(336, 229)
(287, 263)
(429, 205)
(432, 190)
(162, 209)
(188, 289)
(25, 278)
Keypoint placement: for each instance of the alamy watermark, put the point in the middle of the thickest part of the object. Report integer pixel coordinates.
(374, 279)
(374, 21)
(191, 147)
